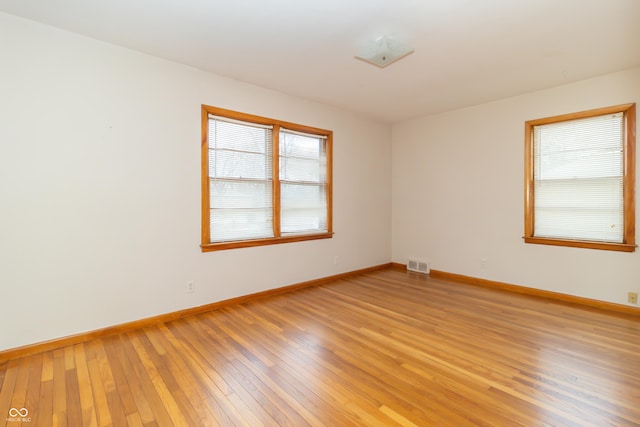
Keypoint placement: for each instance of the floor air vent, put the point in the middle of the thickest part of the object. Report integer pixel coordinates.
(418, 266)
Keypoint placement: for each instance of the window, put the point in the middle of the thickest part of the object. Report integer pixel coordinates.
(579, 179)
(264, 181)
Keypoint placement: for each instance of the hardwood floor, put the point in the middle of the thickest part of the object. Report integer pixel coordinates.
(382, 349)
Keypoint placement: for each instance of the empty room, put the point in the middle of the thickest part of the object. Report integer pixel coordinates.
(319, 213)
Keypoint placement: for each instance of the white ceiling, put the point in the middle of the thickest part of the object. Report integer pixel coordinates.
(466, 51)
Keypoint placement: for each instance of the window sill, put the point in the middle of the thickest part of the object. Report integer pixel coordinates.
(620, 247)
(210, 247)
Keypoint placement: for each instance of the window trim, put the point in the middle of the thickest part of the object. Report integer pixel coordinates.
(629, 244)
(206, 244)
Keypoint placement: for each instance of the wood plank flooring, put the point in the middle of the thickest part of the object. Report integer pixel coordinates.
(387, 348)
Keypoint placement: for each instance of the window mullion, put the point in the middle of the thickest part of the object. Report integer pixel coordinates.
(328, 147)
(276, 181)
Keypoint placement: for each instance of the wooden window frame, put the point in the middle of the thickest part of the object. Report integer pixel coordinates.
(628, 244)
(206, 244)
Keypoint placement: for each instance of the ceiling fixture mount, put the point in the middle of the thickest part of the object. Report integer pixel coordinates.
(384, 51)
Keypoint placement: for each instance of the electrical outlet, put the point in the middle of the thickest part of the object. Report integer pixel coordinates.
(632, 297)
(483, 262)
(191, 287)
(336, 260)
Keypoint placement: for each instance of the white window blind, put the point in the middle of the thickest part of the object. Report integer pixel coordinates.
(240, 180)
(578, 179)
(303, 183)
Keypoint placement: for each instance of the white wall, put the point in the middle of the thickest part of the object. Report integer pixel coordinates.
(100, 187)
(457, 194)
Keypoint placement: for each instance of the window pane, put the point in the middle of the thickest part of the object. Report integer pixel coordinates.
(303, 146)
(236, 136)
(295, 169)
(583, 210)
(240, 194)
(303, 208)
(238, 164)
(302, 157)
(240, 224)
(581, 164)
(303, 171)
(584, 148)
(582, 134)
(240, 210)
(240, 185)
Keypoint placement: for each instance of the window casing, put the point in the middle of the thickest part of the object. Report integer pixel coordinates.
(264, 181)
(580, 178)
